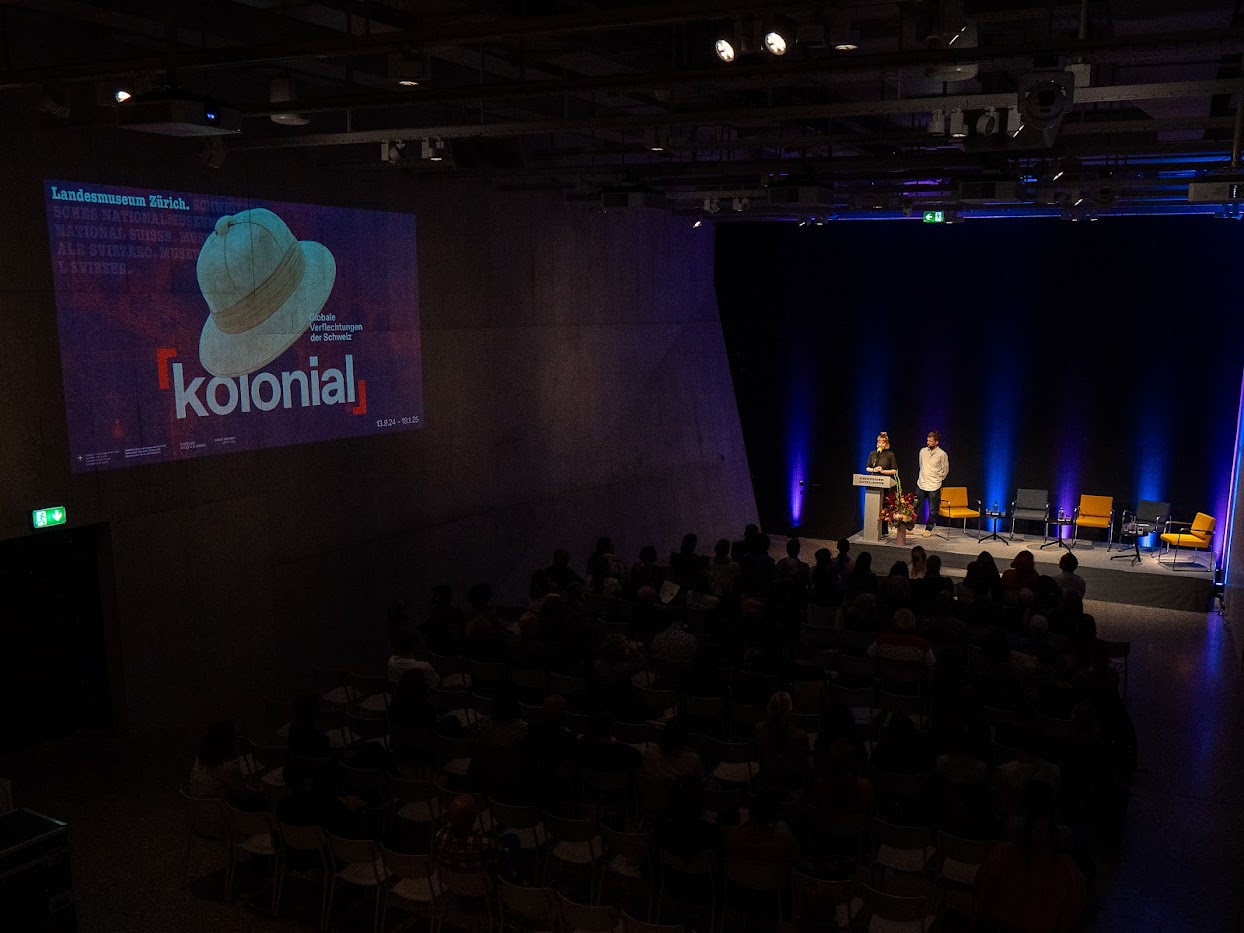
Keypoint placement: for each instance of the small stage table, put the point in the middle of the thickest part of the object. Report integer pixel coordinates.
(1135, 531)
(1058, 525)
(995, 517)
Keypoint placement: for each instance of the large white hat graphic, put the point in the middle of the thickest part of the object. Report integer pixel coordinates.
(263, 288)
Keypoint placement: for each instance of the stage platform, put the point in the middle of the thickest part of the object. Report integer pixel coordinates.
(1116, 581)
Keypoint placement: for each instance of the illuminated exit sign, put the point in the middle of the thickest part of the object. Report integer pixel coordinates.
(934, 217)
(49, 517)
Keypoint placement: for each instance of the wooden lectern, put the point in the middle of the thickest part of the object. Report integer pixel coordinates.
(874, 485)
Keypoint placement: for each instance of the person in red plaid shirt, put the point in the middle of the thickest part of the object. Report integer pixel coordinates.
(460, 846)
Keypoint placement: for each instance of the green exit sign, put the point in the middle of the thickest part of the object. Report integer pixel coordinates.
(49, 517)
(934, 217)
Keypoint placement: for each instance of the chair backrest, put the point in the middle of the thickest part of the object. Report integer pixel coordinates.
(407, 791)
(754, 875)
(631, 925)
(1203, 524)
(704, 707)
(1037, 499)
(204, 815)
(634, 733)
(538, 905)
(568, 685)
(586, 917)
(407, 865)
(1096, 506)
(727, 752)
(363, 782)
(534, 679)
(1152, 513)
(514, 816)
(353, 850)
(243, 823)
(637, 846)
(895, 908)
(467, 884)
(954, 497)
(565, 829)
(899, 837)
(445, 664)
(303, 838)
(815, 900)
(967, 851)
(368, 684)
(654, 701)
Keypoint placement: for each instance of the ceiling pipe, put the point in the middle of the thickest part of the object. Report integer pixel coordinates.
(916, 105)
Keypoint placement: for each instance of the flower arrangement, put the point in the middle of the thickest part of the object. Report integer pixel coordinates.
(899, 507)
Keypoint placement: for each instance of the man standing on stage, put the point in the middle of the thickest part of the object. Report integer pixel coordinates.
(934, 466)
(882, 460)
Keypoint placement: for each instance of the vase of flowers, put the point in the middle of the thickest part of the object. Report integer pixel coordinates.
(899, 510)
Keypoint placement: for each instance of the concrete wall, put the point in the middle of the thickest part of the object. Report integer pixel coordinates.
(575, 379)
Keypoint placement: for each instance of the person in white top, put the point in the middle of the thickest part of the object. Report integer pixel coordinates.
(934, 466)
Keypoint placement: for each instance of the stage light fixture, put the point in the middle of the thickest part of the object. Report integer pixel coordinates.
(1014, 122)
(121, 95)
(958, 129)
(842, 37)
(712, 205)
(391, 152)
(432, 149)
(987, 123)
(937, 125)
(281, 91)
(779, 36)
(698, 223)
(724, 49)
(658, 138)
(740, 204)
(408, 69)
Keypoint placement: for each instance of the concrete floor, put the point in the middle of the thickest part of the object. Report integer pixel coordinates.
(1179, 870)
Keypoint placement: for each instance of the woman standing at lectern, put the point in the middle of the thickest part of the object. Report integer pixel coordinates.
(882, 461)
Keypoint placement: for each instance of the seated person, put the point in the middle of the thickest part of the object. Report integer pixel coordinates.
(217, 770)
(682, 830)
(903, 644)
(723, 573)
(670, 758)
(305, 738)
(763, 838)
(403, 660)
(599, 750)
(783, 749)
(790, 569)
(459, 846)
(1023, 573)
(685, 563)
(1067, 578)
(645, 571)
(675, 644)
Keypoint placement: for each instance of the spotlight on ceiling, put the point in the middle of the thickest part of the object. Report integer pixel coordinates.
(724, 49)
(408, 69)
(658, 139)
(937, 125)
(1014, 122)
(433, 149)
(958, 129)
(987, 123)
(698, 223)
(121, 95)
(842, 37)
(281, 91)
(779, 35)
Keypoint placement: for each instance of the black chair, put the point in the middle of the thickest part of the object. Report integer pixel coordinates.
(1146, 519)
(1030, 505)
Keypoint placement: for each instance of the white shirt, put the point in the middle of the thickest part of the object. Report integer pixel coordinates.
(934, 467)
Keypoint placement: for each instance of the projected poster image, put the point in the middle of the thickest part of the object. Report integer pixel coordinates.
(193, 325)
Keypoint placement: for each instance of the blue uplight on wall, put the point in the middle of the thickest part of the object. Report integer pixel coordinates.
(998, 454)
(800, 426)
(1233, 497)
(796, 489)
(1067, 466)
(870, 407)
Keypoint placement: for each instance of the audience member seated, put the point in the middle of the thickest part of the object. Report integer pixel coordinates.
(1027, 884)
(1071, 621)
(599, 750)
(942, 625)
(982, 580)
(861, 580)
(600, 583)
(919, 563)
(685, 563)
(839, 785)
(645, 571)
(1013, 777)
(901, 748)
(444, 629)
(548, 754)
(843, 558)
(674, 644)
(459, 846)
(497, 736)
(403, 660)
(926, 590)
(305, 738)
(610, 564)
(895, 591)
(615, 665)
(412, 720)
(559, 573)
(217, 770)
(782, 748)
(763, 838)
(790, 570)
(723, 572)
(741, 548)
(682, 830)
(705, 678)
(671, 757)
(485, 634)
(825, 588)
(903, 643)
(1022, 574)
(1067, 578)
(757, 568)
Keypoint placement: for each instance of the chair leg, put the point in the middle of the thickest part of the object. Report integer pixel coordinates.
(1075, 534)
(326, 917)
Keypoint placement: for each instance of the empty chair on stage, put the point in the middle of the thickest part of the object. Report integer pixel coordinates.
(1031, 505)
(1146, 519)
(1095, 512)
(1198, 535)
(954, 506)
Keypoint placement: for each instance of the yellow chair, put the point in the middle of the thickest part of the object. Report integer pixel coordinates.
(1199, 536)
(954, 505)
(1095, 512)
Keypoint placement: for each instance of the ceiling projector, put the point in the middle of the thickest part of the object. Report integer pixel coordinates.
(174, 114)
